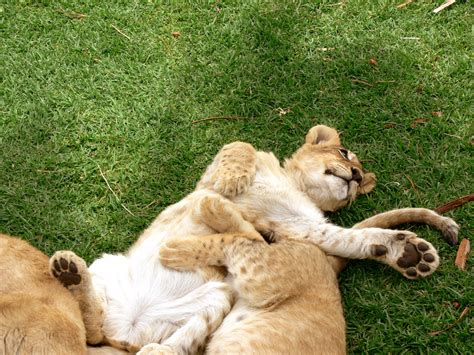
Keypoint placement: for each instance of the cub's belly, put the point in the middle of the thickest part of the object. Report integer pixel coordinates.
(136, 295)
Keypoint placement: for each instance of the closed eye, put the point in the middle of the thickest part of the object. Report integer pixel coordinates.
(344, 153)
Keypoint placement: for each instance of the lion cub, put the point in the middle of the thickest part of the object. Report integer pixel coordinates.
(132, 301)
(37, 314)
(288, 295)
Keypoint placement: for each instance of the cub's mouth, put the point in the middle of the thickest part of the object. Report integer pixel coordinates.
(352, 179)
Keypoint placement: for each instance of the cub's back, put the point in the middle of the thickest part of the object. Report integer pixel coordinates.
(38, 315)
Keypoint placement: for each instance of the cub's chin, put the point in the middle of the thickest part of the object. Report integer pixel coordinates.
(352, 191)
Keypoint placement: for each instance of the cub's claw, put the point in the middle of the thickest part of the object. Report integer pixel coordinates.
(450, 230)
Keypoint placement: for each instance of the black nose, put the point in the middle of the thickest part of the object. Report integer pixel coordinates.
(356, 175)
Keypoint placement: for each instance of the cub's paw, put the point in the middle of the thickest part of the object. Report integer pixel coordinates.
(157, 349)
(450, 230)
(68, 268)
(180, 254)
(404, 251)
(230, 181)
(221, 215)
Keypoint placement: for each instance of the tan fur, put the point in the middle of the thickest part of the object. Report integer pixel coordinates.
(72, 272)
(290, 285)
(282, 275)
(37, 314)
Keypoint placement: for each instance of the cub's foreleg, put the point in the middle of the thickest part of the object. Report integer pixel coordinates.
(222, 215)
(189, 253)
(72, 272)
(245, 257)
(394, 218)
(232, 170)
(402, 250)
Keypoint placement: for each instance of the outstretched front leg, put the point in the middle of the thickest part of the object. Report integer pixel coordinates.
(72, 272)
(393, 218)
(232, 170)
(402, 250)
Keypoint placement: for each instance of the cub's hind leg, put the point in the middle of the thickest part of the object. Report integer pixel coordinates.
(198, 314)
(390, 219)
(232, 170)
(72, 272)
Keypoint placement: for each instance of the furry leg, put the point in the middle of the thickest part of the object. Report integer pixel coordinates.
(232, 170)
(402, 250)
(71, 271)
(200, 312)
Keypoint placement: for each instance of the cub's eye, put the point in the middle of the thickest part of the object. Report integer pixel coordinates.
(344, 153)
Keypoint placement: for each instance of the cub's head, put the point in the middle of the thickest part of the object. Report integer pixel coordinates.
(329, 173)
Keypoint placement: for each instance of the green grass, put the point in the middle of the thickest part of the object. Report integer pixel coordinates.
(78, 95)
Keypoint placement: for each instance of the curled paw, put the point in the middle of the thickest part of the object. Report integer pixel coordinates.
(450, 230)
(232, 183)
(157, 349)
(179, 254)
(68, 268)
(412, 256)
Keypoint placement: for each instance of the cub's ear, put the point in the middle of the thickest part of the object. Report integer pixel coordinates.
(323, 135)
(368, 183)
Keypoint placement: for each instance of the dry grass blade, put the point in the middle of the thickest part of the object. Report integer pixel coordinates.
(71, 14)
(363, 82)
(113, 192)
(444, 5)
(213, 118)
(404, 4)
(463, 252)
(461, 317)
(121, 32)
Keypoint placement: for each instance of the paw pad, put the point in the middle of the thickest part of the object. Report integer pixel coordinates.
(379, 250)
(428, 257)
(410, 257)
(404, 251)
(65, 271)
(419, 259)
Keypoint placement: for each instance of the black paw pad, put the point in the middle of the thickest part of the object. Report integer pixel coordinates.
(68, 279)
(428, 257)
(400, 236)
(379, 250)
(409, 258)
(411, 272)
(66, 272)
(423, 246)
(424, 268)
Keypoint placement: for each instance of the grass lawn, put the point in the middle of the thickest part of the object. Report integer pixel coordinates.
(115, 94)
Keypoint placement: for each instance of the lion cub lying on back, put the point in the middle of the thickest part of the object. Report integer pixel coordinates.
(130, 300)
(288, 296)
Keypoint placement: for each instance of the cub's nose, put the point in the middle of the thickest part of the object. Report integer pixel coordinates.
(356, 175)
